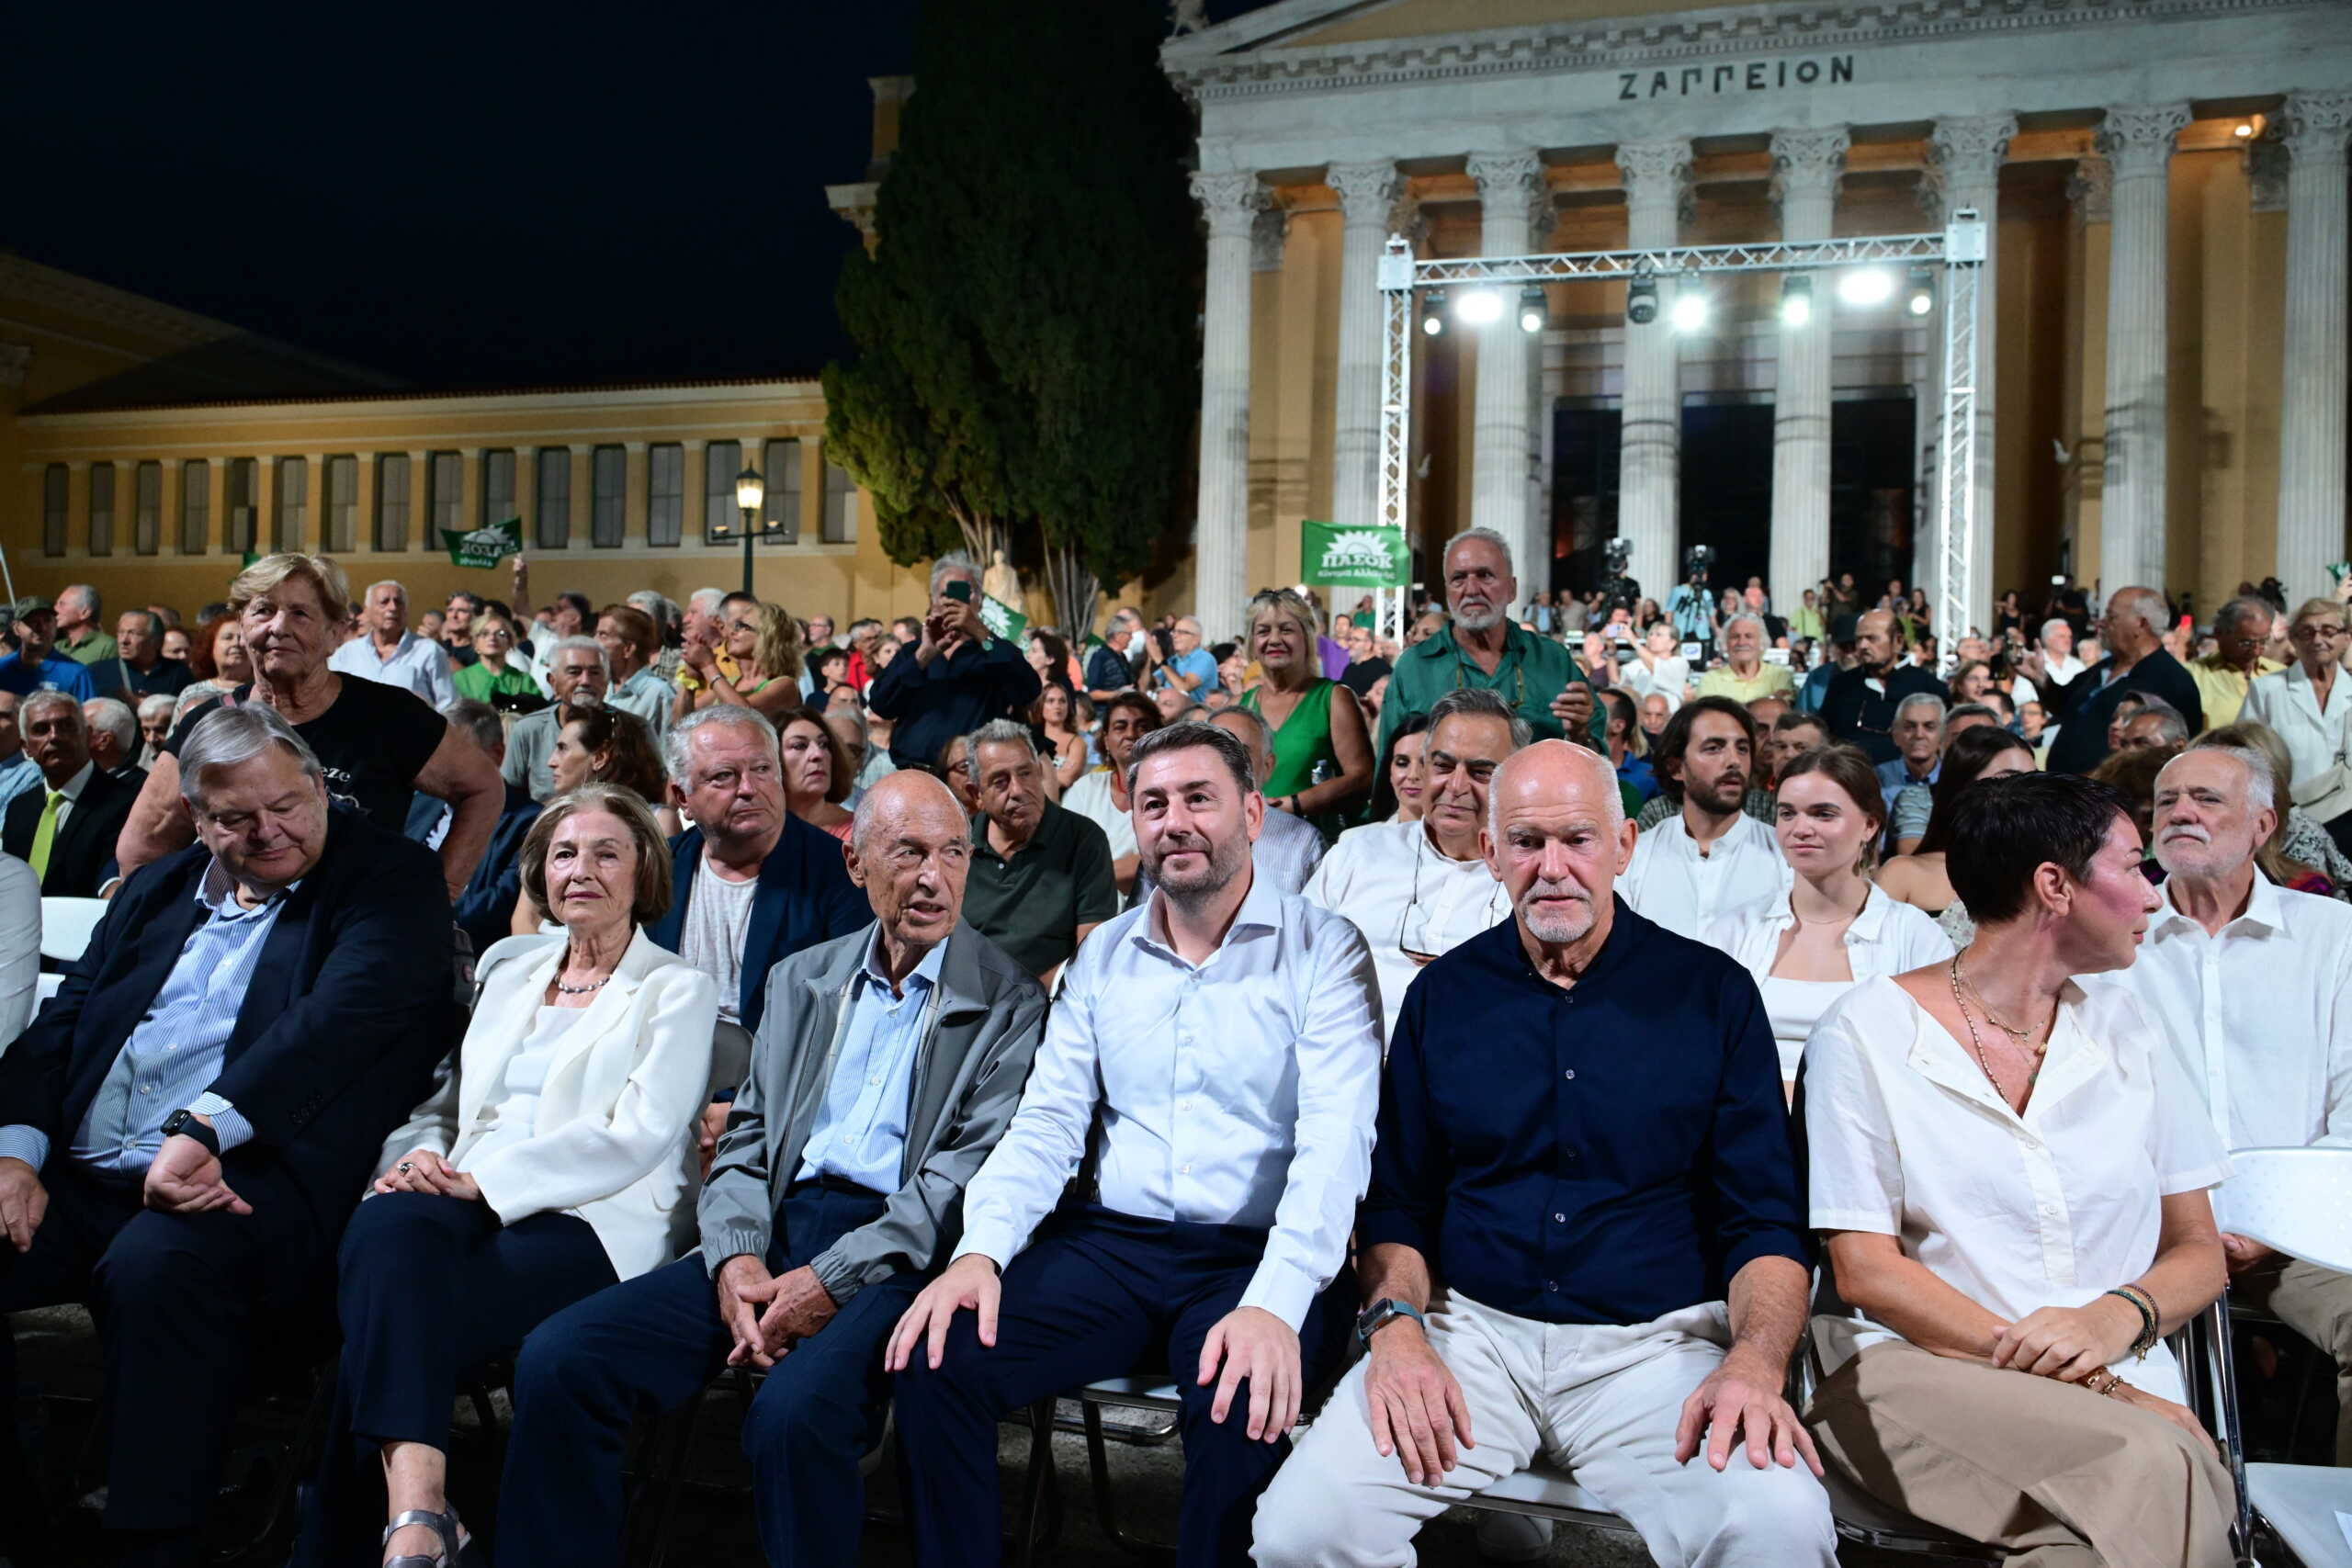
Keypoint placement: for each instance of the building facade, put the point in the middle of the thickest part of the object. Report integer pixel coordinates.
(2163, 305)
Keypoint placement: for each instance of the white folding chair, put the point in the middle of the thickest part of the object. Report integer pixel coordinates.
(2298, 1201)
(66, 925)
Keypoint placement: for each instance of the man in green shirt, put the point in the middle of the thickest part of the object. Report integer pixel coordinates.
(1481, 647)
(79, 636)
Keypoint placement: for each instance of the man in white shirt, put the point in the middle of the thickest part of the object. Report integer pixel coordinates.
(2252, 984)
(1417, 890)
(388, 652)
(1217, 1051)
(1288, 847)
(1710, 857)
(2058, 651)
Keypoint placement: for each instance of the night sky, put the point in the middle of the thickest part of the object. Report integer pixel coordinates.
(478, 196)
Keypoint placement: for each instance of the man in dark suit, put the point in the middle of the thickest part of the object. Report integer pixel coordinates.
(186, 1126)
(65, 827)
(2132, 630)
(1861, 703)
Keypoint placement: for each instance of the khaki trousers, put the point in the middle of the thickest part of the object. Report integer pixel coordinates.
(2065, 1478)
(2316, 1303)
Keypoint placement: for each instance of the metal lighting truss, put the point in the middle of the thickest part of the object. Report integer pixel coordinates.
(1959, 251)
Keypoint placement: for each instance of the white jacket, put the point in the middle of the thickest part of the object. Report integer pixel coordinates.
(614, 1141)
(2316, 741)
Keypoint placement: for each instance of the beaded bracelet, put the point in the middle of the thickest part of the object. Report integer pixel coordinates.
(2145, 1305)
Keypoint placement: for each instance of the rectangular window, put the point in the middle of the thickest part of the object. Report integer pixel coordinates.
(446, 496)
(56, 486)
(497, 487)
(147, 527)
(102, 509)
(608, 499)
(288, 528)
(665, 493)
(553, 526)
(244, 479)
(196, 507)
(780, 460)
(841, 502)
(339, 517)
(721, 460)
(391, 501)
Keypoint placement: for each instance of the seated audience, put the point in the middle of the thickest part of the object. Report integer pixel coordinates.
(114, 740)
(1919, 878)
(1628, 749)
(2157, 724)
(1288, 847)
(825, 1209)
(1919, 736)
(1054, 716)
(753, 883)
(1102, 798)
(1569, 1248)
(1041, 877)
(959, 677)
(630, 641)
(386, 650)
(2131, 773)
(762, 665)
(285, 988)
(2299, 854)
(218, 659)
(139, 669)
(1862, 700)
(497, 674)
(818, 771)
(154, 724)
(2010, 1171)
(1913, 804)
(38, 664)
(551, 1162)
(1710, 855)
(1657, 669)
(66, 825)
(1261, 1085)
(1743, 676)
(2223, 677)
(1401, 788)
(2299, 704)
(2132, 630)
(18, 772)
(1415, 889)
(1834, 928)
(576, 672)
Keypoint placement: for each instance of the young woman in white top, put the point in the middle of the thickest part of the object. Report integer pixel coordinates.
(1657, 667)
(2010, 1171)
(556, 1158)
(1832, 929)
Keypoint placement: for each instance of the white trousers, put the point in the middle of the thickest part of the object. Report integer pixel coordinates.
(1599, 1400)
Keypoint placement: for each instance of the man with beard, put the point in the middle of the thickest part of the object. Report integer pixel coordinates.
(1710, 855)
(1861, 703)
(1216, 1051)
(2253, 983)
(1480, 647)
(1583, 1237)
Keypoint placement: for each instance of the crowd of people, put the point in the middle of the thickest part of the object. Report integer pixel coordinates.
(1518, 1037)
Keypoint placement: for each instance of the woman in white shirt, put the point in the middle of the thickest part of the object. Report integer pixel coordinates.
(1833, 927)
(1657, 667)
(2300, 704)
(2010, 1173)
(557, 1158)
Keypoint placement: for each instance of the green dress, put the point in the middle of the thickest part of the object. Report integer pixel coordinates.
(477, 681)
(1302, 744)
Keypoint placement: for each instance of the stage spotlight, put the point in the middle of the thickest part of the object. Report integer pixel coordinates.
(1535, 311)
(1796, 301)
(1479, 306)
(1922, 297)
(1689, 306)
(2243, 130)
(1641, 300)
(1866, 285)
(1433, 312)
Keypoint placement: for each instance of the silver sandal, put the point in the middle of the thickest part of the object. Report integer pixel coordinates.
(444, 1525)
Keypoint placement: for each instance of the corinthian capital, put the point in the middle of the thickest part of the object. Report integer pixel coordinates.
(1808, 160)
(1368, 192)
(1653, 170)
(1231, 201)
(2313, 126)
(1513, 184)
(2137, 137)
(1966, 153)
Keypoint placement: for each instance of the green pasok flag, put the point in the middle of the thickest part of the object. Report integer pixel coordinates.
(1002, 620)
(486, 545)
(1342, 557)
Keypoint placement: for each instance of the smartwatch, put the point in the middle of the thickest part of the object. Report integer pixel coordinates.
(183, 1123)
(1379, 1315)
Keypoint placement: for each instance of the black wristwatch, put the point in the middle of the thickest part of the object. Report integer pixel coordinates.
(183, 1123)
(1379, 1315)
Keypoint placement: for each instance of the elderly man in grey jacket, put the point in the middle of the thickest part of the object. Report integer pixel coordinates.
(887, 1064)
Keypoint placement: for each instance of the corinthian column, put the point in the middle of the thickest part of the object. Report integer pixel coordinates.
(2136, 140)
(1649, 461)
(1806, 167)
(1220, 538)
(1512, 189)
(2311, 436)
(1964, 171)
(1368, 194)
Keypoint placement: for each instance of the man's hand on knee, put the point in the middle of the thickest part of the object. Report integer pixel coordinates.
(23, 1203)
(185, 1177)
(969, 1281)
(1414, 1406)
(1743, 1395)
(1253, 1343)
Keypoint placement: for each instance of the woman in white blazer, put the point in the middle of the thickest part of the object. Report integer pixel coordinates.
(2302, 704)
(1833, 927)
(558, 1157)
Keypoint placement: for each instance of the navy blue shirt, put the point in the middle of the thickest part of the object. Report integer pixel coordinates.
(930, 705)
(1606, 1154)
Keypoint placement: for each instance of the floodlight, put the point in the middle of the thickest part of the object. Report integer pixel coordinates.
(1641, 300)
(1922, 297)
(1433, 313)
(1535, 311)
(1479, 306)
(1866, 285)
(1691, 307)
(1796, 301)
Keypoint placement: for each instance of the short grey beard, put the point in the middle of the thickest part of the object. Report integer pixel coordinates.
(1476, 621)
(1572, 928)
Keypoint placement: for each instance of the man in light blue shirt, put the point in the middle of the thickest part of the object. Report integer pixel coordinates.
(18, 772)
(1190, 668)
(860, 1134)
(388, 652)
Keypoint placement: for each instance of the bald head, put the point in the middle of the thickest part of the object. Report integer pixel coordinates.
(1874, 639)
(910, 850)
(896, 798)
(1557, 840)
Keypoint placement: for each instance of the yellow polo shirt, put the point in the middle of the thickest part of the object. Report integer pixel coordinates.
(2222, 688)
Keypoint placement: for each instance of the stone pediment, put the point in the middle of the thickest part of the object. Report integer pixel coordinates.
(1372, 21)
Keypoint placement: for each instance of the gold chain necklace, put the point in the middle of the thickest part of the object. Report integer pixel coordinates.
(2019, 1035)
(1977, 1042)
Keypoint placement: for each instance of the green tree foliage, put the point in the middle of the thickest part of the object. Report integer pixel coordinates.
(1027, 368)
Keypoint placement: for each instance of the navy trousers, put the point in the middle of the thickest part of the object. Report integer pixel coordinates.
(430, 1287)
(656, 1342)
(178, 1299)
(1099, 1294)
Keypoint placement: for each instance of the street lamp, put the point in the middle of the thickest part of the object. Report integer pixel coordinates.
(750, 489)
